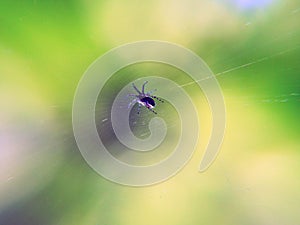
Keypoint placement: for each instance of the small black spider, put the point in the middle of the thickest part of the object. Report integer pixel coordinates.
(144, 99)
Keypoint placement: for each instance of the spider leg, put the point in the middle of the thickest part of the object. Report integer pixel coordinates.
(135, 88)
(143, 88)
(132, 103)
(159, 99)
(130, 95)
(139, 109)
(151, 92)
(152, 110)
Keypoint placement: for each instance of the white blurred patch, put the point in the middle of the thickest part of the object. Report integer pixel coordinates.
(29, 151)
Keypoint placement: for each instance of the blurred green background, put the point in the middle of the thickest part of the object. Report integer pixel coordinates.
(252, 46)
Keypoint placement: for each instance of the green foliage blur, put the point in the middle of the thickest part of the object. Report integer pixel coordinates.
(253, 47)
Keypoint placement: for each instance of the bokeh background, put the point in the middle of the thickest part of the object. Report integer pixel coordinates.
(253, 47)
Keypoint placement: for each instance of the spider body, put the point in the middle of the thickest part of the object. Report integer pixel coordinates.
(147, 102)
(144, 99)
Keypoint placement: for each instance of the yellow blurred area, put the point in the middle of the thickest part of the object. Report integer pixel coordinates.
(183, 22)
(244, 182)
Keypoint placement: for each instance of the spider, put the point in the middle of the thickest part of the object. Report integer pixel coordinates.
(144, 99)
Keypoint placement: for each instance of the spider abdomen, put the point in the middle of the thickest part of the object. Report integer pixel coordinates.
(148, 102)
